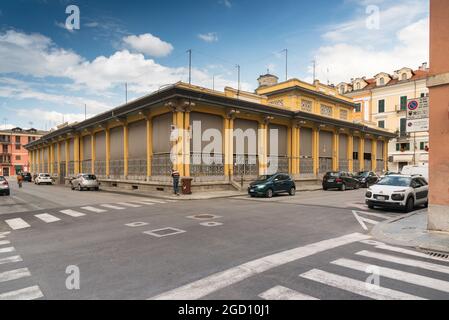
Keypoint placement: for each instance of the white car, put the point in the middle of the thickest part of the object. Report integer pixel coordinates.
(399, 192)
(43, 178)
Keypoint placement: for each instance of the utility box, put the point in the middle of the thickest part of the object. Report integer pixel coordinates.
(186, 184)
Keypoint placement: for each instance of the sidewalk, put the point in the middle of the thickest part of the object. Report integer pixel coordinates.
(411, 231)
(205, 195)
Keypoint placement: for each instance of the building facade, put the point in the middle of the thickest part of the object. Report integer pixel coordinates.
(382, 102)
(13, 155)
(438, 84)
(136, 145)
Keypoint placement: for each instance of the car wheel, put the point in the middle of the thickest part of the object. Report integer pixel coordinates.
(72, 187)
(426, 205)
(8, 193)
(324, 188)
(410, 205)
(79, 188)
(292, 191)
(269, 193)
(343, 187)
(357, 186)
(97, 189)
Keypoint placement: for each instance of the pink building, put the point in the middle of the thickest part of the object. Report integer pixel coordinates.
(13, 155)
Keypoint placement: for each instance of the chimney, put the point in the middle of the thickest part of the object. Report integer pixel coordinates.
(423, 67)
(267, 80)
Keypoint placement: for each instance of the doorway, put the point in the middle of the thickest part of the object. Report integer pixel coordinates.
(5, 172)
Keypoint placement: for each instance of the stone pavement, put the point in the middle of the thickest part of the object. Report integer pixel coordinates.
(411, 231)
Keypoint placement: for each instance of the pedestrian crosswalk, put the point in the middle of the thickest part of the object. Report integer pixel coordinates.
(53, 217)
(14, 277)
(419, 276)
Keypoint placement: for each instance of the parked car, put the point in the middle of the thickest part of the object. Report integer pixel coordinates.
(367, 178)
(4, 186)
(27, 177)
(340, 180)
(85, 181)
(269, 185)
(387, 173)
(398, 192)
(43, 178)
(419, 170)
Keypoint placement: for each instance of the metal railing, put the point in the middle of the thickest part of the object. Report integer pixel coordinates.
(380, 165)
(343, 164)
(206, 165)
(325, 165)
(86, 166)
(71, 171)
(100, 168)
(356, 166)
(116, 168)
(368, 165)
(137, 169)
(246, 165)
(161, 165)
(306, 165)
(278, 164)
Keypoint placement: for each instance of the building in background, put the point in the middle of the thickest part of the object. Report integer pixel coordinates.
(13, 154)
(438, 84)
(130, 146)
(381, 102)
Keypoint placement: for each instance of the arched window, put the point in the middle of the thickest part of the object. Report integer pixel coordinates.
(381, 81)
(404, 76)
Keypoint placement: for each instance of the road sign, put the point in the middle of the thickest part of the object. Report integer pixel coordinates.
(418, 108)
(419, 125)
(418, 115)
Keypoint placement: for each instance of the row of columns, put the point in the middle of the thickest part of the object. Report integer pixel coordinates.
(181, 121)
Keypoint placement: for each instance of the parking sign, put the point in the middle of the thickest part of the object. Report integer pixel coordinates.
(418, 115)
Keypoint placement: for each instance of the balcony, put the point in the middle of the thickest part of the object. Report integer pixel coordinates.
(400, 109)
(5, 141)
(402, 135)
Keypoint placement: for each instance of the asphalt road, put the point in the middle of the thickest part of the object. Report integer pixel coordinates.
(308, 246)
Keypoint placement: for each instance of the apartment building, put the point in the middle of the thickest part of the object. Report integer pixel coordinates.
(381, 101)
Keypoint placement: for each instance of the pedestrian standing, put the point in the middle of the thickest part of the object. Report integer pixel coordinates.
(175, 175)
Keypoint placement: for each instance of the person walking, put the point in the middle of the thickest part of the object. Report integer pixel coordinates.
(175, 175)
(19, 180)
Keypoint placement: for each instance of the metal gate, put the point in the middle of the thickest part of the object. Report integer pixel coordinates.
(62, 173)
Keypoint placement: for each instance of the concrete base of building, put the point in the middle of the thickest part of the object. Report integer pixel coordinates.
(438, 218)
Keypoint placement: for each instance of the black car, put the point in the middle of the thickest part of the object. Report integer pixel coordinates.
(269, 185)
(340, 180)
(27, 177)
(367, 178)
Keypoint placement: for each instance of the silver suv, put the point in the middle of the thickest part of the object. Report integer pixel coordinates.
(84, 181)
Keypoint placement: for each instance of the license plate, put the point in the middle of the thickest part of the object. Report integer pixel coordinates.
(251, 190)
(381, 198)
(331, 180)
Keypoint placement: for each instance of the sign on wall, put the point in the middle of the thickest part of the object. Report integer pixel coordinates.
(418, 115)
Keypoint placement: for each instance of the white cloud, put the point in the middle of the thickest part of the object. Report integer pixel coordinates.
(148, 44)
(209, 37)
(351, 50)
(52, 117)
(226, 3)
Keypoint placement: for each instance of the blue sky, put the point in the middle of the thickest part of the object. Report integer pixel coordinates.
(48, 73)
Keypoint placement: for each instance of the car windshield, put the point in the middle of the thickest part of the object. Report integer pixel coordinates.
(2, 179)
(45, 175)
(363, 174)
(395, 181)
(333, 174)
(89, 177)
(263, 177)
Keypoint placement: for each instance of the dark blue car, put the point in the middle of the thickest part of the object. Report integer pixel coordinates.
(269, 185)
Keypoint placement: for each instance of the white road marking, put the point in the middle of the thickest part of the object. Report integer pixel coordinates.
(211, 224)
(131, 205)
(398, 275)
(110, 206)
(154, 200)
(7, 250)
(155, 233)
(14, 274)
(10, 259)
(136, 224)
(3, 242)
(93, 209)
(220, 280)
(404, 261)
(145, 203)
(29, 293)
(383, 216)
(283, 293)
(47, 218)
(72, 213)
(355, 286)
(362, 220)
(17, 224)
(4, 234)
(383, 246)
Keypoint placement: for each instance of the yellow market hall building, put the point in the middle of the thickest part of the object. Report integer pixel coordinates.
(132, 146)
